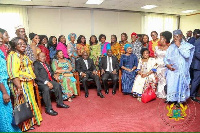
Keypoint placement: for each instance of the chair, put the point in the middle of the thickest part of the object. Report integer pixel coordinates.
(79, 81)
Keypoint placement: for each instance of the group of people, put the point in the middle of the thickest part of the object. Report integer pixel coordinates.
(159, 63)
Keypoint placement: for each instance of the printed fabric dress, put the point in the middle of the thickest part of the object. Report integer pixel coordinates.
(136, 47)
(80, 48)
(161, 72)
(71, 47)
(128, 77)
(68, 83)
(20, 66)
(116, 50)
(95, 52)
(6, 114)
(140, 83)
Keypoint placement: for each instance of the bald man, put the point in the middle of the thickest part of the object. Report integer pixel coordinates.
(46, 84)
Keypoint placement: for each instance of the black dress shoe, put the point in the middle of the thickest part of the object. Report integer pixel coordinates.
(51, 112)
(114, 92)
(86, 95)
(100, 94)
(194, 99)
(107, 91)
(62, 106)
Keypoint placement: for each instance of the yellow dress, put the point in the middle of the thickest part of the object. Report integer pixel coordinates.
(116, 50)
(20, 66)
(95, 52)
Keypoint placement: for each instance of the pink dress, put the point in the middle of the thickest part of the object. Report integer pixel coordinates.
(63, 48)
(4, 49)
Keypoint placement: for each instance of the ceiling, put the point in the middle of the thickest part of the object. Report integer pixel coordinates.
(164, 6)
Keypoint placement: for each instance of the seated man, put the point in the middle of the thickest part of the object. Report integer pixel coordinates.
(109, 67)
(46, 84)
(86, 68)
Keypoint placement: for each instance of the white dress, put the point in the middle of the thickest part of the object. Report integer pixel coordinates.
(161, 71)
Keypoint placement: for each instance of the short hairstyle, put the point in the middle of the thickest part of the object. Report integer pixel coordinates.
(154, 32)
(50, 43)
(167, 35)
(14, 42)
(143, 50)
(60, 37)
(114, 37)
(57, 54)
(125, 35)
(101, 35)
(96, 41)
(79, 39)
(42, 37)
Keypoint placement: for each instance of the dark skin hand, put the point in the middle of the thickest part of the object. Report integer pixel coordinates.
(16, 82)
(6, 97)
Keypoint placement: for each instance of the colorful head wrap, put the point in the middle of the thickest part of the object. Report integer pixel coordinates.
(134, 34)
(126, 46)
(70, 35)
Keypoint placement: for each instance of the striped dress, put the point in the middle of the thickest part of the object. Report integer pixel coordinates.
(20, 66)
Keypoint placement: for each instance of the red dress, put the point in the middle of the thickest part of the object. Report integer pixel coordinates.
(46, 51)
(152, 45)
(4, 49)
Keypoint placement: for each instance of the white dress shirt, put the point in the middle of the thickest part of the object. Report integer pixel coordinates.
(107, 69)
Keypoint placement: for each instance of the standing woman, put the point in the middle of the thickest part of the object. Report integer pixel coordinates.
(42, 46)
(4, 47)
(5, 103)
(145, 41)
(104, 45)
(136, 45)
(63, 68)
(123, 41)
(21, 78)
(128, 63)
(62, 45)
(145, 74)
(82, 46)
(153, 43)
(52, 44)
(95, 50)
(35, 41)
(72, 51)
(115, 47)
(160, 52)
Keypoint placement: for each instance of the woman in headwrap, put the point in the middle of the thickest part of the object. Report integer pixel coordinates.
(72, 50)
(128, 63)
(136, 45)
(145, 74)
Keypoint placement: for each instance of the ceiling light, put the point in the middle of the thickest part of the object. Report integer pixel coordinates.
(149, 6)
(94, 2)
(188, 11)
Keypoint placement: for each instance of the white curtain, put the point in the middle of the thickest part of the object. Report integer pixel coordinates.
(12, 16)
(159, 23)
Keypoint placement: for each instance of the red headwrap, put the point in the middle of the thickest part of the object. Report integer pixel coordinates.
(134, 34)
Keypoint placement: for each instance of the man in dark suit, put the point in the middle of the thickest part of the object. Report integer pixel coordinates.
(195, 66)
(86, 68)
(109, 67)
(47, 84)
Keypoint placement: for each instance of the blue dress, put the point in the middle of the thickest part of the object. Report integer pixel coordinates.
(178, 81)
(52, 52)
(5, 109)
(128, 77)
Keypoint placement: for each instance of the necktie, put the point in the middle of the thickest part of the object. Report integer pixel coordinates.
(49, 74)
(109, 64)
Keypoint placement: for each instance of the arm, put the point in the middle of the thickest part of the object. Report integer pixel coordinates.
(37, 73)
(101, 64)
(6, 97)
(185, 51)
(78, 66)
(197, 51)
(116, 64)
(93, 66)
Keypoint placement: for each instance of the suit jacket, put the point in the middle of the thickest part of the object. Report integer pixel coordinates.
(196, 58)
(41, 73)
(103, 63)
(81, 66)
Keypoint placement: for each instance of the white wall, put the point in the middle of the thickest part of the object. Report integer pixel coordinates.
(189, 23)
(86, 22)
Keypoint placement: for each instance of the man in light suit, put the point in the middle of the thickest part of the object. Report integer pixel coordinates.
(109, 67)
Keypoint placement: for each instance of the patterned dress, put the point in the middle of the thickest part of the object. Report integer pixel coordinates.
(20, 66)
(140, 83)
(95, 52)
(136, 47)
(5, 109)
(116, 50)
(71, 49)
(29, 53)
(161, 71)
(152, 45)
(81, 48)
(68, 83)
(122, 51)
(128, 77)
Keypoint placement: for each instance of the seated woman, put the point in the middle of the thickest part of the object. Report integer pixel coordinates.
(128, 63)
(146, 74)
(21, 78)
(63, 68)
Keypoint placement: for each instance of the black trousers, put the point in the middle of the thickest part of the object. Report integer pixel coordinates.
(95, 78)
(105, 78)
(46, 94)
(195, 83)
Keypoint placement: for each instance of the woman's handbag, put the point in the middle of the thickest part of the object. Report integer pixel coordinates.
(21, 112)
(148, 95)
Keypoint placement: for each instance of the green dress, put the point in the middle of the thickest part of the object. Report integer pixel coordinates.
(95, 52)
(68, 83)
